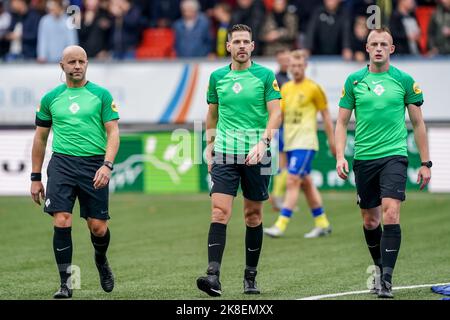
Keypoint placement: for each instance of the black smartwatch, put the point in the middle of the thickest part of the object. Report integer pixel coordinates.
(108, 164)
(427, 164)
(36, 176)
(266, 141)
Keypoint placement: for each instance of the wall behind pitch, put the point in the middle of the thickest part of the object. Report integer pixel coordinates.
(166, 92)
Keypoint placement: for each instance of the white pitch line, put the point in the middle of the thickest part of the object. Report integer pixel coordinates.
(333, 295)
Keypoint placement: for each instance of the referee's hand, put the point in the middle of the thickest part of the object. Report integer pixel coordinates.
(342, 168)
(37, 192)
(424, 175)
(256, 154)
(102, 176)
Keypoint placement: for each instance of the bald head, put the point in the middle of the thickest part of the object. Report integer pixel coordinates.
(73, 50)
(380, 46)
(74, 64)
(380, 33)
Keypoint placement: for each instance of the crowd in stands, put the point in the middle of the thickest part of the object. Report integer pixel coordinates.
(129, 29)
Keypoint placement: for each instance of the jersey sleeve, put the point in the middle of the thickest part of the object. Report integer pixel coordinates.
(347, 100)
(413, 93)
(43, 114)
(110, 110)
(211, 95)
(271, 90)
(320, 99)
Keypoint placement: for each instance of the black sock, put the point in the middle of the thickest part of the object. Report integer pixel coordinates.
(373, 240)
(253, 244)
(62, 247)
(100, 245)
(216, 244)
(390, 246)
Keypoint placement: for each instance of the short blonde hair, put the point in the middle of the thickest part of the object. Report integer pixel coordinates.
(299, 54)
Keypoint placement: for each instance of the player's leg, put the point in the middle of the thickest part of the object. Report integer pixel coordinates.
(94, 207)
(367, 174)
(62, 248)
(314, 199)
(299, 162)
(372, 233)
(225, 182)
(60, 199)
(100, 238)
(221, 205)
(253, 243)
(279, 183)
(393, 184)
(254, 183)
(390, 243)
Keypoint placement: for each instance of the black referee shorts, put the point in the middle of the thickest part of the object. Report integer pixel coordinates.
(229, 170)
(380, 178)
(70, 177)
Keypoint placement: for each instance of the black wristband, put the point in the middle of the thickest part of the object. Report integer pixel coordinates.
(108, 164)
(266, 141)
(36, 176)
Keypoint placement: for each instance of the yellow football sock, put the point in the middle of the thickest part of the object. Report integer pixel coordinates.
(282, 222)
(279, 183)
(322, 221)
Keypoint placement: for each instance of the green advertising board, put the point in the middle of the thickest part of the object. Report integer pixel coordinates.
(171, 162)
(324, 164)
(162, 162)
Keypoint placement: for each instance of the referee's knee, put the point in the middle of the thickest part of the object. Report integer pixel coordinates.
(220, 215)
(253, 216)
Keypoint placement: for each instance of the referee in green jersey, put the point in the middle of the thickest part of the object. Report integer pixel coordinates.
(85, 142)
(379, 95)
(244, 111)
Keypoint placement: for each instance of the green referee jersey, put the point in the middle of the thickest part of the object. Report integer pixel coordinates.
(77, 116)
(241, 96)
(379, 100)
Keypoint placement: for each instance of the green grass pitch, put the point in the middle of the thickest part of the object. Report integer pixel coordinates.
(158, 249)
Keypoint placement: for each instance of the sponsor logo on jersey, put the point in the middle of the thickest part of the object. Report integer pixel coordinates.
(74, 108)
(237, 87)
(114, 107)
(416, 88)
(379, 89)
(343, 92)
(275, 85)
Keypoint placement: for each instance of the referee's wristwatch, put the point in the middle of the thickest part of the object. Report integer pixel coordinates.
(266, 141)
(427, 164)
(108, 164)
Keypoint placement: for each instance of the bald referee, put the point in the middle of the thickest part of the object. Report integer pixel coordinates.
(380, 94)
(85, 142)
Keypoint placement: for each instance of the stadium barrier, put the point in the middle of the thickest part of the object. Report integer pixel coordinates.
(175, 92)
(172, 162)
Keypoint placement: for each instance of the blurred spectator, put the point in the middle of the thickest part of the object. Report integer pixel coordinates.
(359, 38)
(222, 13)
(329, 31)
(5, 21)
(95, 28)
(39, 5)
(251, 13)
(304, 9)
(23, 31)
(439, 29)
(282, 56)
(192, 33)
(127, 25)
(54, 34)
(279, 29)
(164, 13)
(405, 29)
